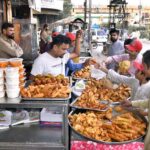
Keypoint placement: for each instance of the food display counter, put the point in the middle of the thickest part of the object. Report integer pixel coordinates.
(32, 135)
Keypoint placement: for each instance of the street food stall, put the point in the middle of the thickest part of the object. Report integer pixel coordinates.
(31, 117)
(34, 115)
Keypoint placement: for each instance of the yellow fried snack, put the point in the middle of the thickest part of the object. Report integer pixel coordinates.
(124, 67)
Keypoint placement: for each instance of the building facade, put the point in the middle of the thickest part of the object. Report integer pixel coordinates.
(100, 14)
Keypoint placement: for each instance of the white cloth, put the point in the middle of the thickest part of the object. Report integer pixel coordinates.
(138, 92)
(47, 64)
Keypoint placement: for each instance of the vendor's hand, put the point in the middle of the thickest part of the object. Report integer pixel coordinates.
(126, 103)
(97, 66)
(102, 67)
(89, 61)
(143, 113)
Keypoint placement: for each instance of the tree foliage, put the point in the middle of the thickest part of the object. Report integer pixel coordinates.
(67, 7)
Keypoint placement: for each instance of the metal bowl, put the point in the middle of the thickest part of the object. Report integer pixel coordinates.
(81, 136)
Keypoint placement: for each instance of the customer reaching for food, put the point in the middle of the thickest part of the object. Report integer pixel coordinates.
(145, 104)
(140, 84)
(132, 49)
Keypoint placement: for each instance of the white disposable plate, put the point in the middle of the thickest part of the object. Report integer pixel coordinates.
(76, 93)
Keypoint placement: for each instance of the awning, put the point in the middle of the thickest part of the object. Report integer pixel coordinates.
(68, 20)
(46, 12)
(62, 22)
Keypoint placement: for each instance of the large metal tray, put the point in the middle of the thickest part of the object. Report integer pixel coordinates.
(77, 107)
(136, 113)
(48, 99)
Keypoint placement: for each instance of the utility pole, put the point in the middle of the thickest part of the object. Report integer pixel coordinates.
(89, 27)
(140, 12)
(85, 10)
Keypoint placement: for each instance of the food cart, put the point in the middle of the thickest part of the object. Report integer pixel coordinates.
(97, 100)
(22, 126)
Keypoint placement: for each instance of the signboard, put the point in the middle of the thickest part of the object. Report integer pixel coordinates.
(52, 4)
(47, 4)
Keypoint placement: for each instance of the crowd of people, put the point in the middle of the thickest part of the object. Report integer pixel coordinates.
(59, 53)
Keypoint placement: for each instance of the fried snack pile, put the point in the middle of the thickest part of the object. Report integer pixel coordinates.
(90, 125)
(125, 127)
(97, 90)
(103, 83)
(49, 79)
(84, 73)
(115, 95)
(47, 87)
(94, 125)
(89, 100)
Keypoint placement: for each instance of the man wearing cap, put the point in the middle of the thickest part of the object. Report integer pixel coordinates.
(133, 47)
(8, 47)
(73, 44)
(54, 34)
(134, 82)
(72, 64)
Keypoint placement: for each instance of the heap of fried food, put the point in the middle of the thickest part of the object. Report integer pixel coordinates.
(125, 127)
(115, 95)
(84, 73)
(49, 79)
(89, 100)
(47, 87)
(97, 90)
(102, 83)
(94, 125)
(90, 124)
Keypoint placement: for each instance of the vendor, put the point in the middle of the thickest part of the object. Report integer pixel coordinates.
(8, 47)
(54, 60)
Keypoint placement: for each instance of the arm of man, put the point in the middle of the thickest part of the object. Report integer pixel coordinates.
(116, 77)
(14, 50)
(77, 48)
(140, 103)
(74, 66)
(117, 58)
